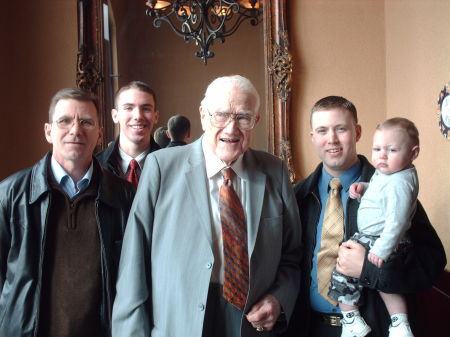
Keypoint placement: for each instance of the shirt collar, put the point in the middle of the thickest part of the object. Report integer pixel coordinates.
(125, 162)
(59, 173)
(347, 177)
(214, 165)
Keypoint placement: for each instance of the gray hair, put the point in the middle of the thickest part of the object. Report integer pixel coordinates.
(71, 93)
(220, 84)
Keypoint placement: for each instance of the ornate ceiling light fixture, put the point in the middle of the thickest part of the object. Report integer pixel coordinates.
(204, 20)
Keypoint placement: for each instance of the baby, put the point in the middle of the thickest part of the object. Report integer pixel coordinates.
(387, 206)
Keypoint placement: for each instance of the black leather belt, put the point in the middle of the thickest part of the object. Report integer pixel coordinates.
(327, 319)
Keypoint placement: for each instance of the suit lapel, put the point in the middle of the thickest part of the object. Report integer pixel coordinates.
(195, 178)
(255, 186)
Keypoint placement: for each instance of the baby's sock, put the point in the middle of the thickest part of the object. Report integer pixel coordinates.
(355, 312)
(396, 319)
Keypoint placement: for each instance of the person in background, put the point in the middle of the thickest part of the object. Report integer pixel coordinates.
(334, 134)
(136, 113)
(212, 248)
(384, 216)
(178, 130)
(61, 228)
(160, 136)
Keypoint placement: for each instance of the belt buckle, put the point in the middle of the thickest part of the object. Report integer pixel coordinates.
(333, 320)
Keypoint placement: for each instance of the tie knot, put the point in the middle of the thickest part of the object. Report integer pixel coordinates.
(227, 174)
(335, 183)
(133, 164)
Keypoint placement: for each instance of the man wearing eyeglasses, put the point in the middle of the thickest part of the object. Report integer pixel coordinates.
(61, 227)
(136, 113)
(206, 255)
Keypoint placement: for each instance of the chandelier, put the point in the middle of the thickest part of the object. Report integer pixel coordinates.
(204, 20)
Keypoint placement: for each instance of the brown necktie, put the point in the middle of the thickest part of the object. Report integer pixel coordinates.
(132, 173)
(234, 235)
(332, 235)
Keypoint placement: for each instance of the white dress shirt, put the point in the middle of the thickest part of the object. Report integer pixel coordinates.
(213, 167)
(125, 162)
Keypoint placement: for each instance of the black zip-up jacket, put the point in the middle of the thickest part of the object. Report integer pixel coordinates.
(25, 200)
(110, 159)
(410, 272)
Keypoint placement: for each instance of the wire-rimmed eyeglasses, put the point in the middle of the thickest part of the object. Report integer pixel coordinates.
(67, 123)
(244, 121)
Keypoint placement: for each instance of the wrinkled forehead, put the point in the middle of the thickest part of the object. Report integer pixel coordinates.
(75, 108)
(234, 101)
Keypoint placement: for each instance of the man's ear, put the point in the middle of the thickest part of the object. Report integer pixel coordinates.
(48, 132)
(202, 117)
(258, 117)
(114, 114)
(100, 136)
(358, 132)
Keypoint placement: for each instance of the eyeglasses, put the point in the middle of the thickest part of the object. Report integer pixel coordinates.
(67, 123)
(244, 121)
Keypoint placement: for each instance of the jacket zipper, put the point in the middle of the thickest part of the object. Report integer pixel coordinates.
(103, 264)
(41, 263)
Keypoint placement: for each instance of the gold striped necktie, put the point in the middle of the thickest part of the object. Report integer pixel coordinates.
(332, 236)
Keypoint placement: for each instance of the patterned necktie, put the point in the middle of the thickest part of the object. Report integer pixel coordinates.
(234, 235)
(332, 235)
(132, 175)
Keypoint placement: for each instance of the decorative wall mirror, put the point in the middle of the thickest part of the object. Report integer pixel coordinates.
(96, 73)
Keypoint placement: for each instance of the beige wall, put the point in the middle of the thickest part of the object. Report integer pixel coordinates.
(417, 68)
(38, 57)
(390, 58)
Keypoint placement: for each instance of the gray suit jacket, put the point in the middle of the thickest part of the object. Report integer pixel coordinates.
(167, 258)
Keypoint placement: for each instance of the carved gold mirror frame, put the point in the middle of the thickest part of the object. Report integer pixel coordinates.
(91, 70)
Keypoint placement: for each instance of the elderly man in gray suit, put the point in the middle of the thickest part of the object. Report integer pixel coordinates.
(209, 251)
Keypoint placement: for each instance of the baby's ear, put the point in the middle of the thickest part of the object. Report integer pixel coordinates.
(415, 151)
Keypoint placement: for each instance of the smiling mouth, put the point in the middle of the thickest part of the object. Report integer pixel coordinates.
(333, 150)
(229, 140)
(137, 127)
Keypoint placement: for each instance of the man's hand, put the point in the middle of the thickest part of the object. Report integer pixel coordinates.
(376, 260)
(356, 190)
(264, 313)
(350, 259)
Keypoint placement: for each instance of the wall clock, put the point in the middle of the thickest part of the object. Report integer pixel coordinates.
(444, 111)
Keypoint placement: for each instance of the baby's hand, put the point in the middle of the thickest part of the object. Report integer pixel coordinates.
(356, 190)
(378, 261)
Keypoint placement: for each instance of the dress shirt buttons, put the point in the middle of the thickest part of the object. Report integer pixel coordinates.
(201, 307)
(208, 265)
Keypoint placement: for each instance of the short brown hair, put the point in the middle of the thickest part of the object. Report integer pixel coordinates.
(161, 137)
(71, 93)
(178, 127)
(335, 102)
(138, 85)
(402, 123)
